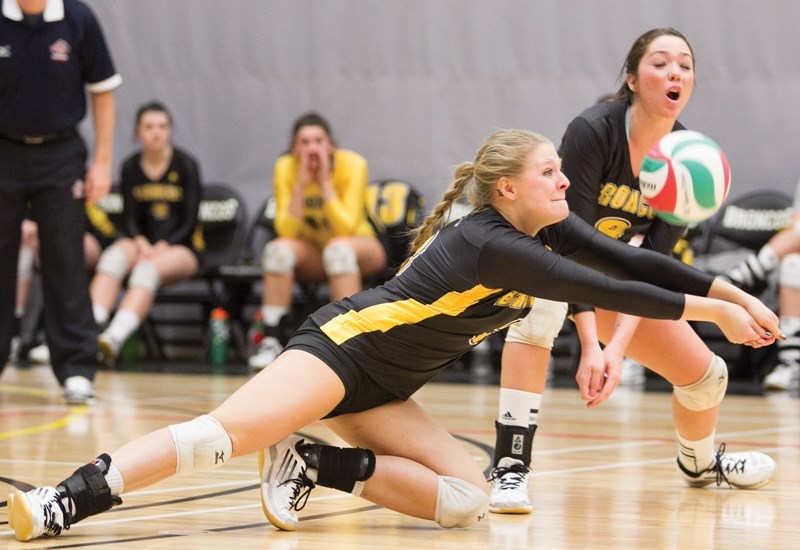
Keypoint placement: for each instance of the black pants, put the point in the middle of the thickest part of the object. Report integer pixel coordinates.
(44, 177)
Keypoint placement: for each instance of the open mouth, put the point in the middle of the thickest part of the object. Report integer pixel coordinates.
(674, 95)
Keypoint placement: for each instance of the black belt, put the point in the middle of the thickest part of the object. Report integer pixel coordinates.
(41, 138)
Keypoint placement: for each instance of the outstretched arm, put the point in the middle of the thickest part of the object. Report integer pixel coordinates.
(735, 321)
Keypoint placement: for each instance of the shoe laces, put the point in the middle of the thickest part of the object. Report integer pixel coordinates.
(730, 466)
(509, 477)
(300, 491)
(51, 525)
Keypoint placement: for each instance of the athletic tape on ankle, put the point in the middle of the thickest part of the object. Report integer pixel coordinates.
(200, 444)
(458, 503)
(707, 392)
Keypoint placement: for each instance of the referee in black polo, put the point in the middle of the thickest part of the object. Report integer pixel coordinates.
(51, 53)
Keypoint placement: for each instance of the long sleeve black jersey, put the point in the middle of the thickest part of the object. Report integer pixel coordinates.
(478, 275)
(167, 208)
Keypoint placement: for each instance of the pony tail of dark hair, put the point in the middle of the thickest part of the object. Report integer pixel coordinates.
(463, 174)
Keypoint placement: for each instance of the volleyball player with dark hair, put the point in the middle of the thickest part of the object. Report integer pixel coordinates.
(602, 150)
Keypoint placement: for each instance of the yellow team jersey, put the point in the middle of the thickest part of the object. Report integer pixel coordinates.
(344, 216)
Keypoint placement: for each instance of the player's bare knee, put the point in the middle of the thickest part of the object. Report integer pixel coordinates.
(789, 273)
(278, 258)
(459, 504)
(113, 263)
(339, 258)
(145, 275)
(707, 392)
(200, 444)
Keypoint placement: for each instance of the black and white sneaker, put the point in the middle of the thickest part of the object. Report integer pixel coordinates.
(285, 487)
(749, 470)
(750, 276)
(37, 513)
(268, 350)
(509, 480)
(107, 350)
(78, 390)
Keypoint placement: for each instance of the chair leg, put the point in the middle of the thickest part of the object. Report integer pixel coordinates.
(152, 342)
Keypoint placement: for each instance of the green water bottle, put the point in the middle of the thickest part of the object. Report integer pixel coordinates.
(129, 352)
(219, 331)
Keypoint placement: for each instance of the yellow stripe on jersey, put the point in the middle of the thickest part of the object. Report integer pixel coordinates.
(384, 317)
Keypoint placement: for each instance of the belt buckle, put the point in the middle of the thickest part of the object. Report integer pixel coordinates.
(33, 140)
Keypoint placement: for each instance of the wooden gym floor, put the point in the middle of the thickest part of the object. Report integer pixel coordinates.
(603, 478)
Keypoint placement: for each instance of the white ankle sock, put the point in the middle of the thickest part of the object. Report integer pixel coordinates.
(696, 456)
(101, 314)
(518, 408)
(123, 324)
(114, 480)
(272, 314)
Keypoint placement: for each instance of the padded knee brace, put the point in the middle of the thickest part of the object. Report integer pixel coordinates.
(707, 392)
(459, 504)
(339, 259)
(278, 258)
(790, 271)
(145, 275)
(200, 444)
(112, 262)
(541, 325)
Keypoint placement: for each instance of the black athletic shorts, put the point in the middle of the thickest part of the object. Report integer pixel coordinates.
(360, 391)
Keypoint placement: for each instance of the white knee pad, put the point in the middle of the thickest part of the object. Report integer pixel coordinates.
(707, 392)
(278, 258)
(145, 275)
(790, 271)
(339, 259)
(200, 444)
(459, 504)
(113, 262)
(541, 325)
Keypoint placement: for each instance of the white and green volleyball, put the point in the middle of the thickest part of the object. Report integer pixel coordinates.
(685, 177)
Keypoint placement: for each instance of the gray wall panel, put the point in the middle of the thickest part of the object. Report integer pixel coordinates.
(415, 85)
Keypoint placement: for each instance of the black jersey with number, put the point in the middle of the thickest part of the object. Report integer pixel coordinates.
(603, 190)
(478, 275)
(166, 208)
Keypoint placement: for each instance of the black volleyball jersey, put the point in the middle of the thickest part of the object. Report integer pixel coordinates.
(478, 275)
(603, 190)
(165, 208)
